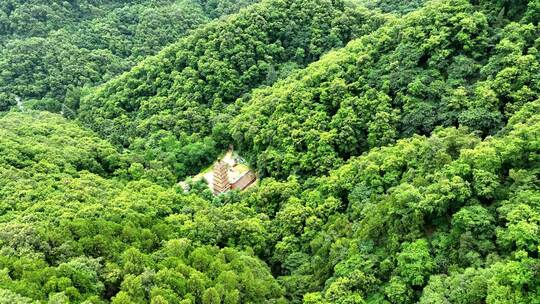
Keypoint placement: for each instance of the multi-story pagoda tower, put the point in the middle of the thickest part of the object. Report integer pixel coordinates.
(221, 177)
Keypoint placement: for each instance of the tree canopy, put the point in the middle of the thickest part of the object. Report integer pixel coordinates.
(51, 51)
(396, 145)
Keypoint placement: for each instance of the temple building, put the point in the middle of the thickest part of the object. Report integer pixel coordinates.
(230, 172)
(220, 179)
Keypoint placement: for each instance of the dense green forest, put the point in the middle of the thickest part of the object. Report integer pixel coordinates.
(177, 100)
(396, 143)
(51, 51)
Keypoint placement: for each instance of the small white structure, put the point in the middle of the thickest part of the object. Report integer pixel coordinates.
(185, 186)
(228, 172)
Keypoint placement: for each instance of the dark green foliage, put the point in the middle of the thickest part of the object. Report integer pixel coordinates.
(76, 45)
(217, 8)
(439, 66)
(183, 91)
(91, 236)
(414, 213)
(185, 86)
(395, 6)
(37, 18)
(401, 167)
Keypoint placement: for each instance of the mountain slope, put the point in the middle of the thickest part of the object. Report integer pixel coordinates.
(88, 44)
(402, 167)
(443, 65)
(69, 234)
(181, 94)
(436, 220)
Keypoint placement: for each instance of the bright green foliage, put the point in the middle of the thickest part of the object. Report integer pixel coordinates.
(181, 94)
(217, 8)
(401, 168)
(394, 6)
(9, 297)
(65, 231)
(52, 145)
(204, 274)
(410, 218)
(83, 44)
(433, 67)
(36, 18)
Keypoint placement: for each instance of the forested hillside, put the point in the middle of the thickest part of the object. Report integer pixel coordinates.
(50, 51)
(179, 97)
(399, 7)
(447, 64)
(396, 143)
(70, 234)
